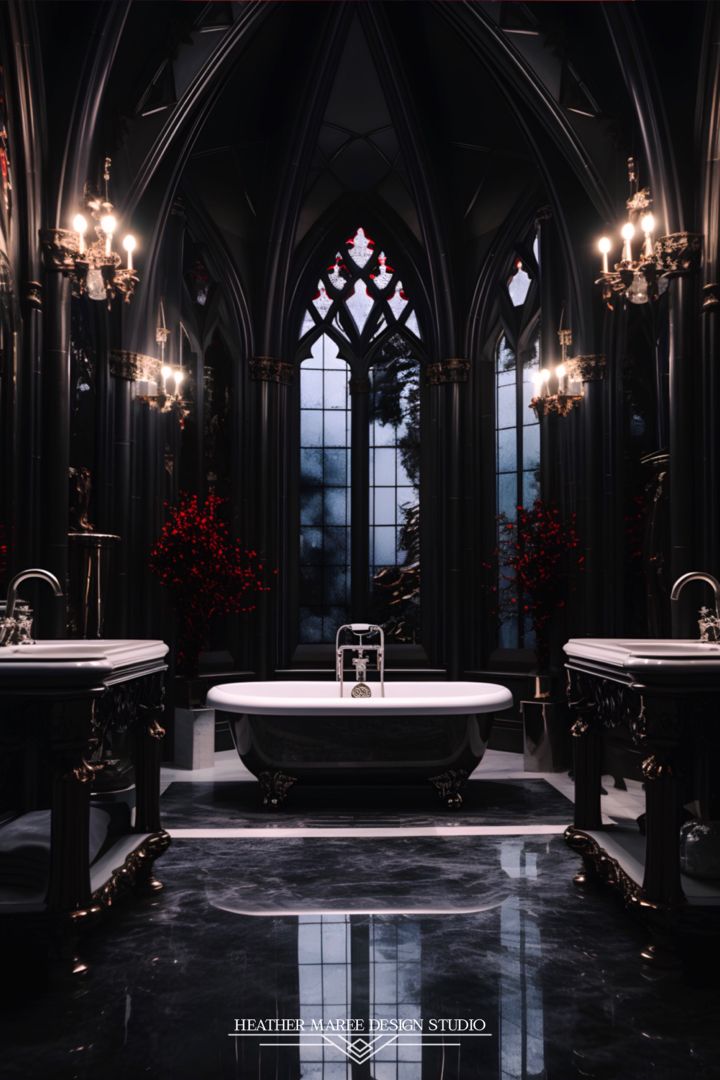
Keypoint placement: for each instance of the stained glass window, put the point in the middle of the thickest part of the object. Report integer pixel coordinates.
(517, 435)
(324, 492)
(360, 324)
(395, 495)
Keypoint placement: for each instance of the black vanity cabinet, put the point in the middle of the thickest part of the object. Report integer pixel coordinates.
(656, 702)
(60, 704)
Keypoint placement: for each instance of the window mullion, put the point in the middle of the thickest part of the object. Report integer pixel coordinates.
(360, 495)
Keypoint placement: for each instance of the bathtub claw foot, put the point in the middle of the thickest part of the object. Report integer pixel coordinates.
(275, 786)
(448, 786)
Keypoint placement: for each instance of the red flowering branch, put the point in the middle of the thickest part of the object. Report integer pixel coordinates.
(206, 570)
(536, 553)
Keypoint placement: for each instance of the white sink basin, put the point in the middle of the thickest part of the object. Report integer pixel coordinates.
(666, 653)
(67, 651)
(44, 666)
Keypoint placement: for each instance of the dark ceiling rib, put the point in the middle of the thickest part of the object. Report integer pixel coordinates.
(519, 87)
(418, 163)
(301, 147)
(86, 107)
(223, 56)
(220, 262)
(514, 76)
(483, 314)
(627, 38)
(30, 123)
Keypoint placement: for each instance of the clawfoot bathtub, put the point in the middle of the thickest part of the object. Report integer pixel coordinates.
(290, 732)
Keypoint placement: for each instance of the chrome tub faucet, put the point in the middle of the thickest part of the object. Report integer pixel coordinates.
(16, 618)
(362, 654)
(708, 623)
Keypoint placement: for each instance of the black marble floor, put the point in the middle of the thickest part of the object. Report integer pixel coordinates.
(433, 928)
(237, 804)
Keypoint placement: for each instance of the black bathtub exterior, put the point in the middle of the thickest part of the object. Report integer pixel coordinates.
(341, 749)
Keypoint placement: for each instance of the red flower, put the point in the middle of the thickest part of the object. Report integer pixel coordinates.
(206, 569)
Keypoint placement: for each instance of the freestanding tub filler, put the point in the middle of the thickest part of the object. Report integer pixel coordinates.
(318, 733)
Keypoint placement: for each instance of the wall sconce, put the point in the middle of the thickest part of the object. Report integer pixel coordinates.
(641, 273)
(559, 387)
(96, 268)
(159, 384)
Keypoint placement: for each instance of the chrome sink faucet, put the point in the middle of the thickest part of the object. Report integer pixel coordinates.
(16, 628)
(708, 623)
(362, 655)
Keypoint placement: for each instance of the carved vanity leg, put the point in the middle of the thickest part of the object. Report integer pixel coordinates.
(661, 883)
(448, 785)
(149, 734)
(587, 762)
(275, 786)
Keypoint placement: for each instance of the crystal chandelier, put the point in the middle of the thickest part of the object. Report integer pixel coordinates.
(641, 273)
(97, 269)
(558, 387)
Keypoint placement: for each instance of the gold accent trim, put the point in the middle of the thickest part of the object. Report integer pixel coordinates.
(135, 870)
(600, 866)
(590, 368)
(269, 369)
(711, 297)
(133, 366)
(452, 370)
(679, 253)
(654, 769)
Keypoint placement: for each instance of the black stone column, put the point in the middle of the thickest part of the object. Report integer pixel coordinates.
(123, 370)
(448, 380)
(592, 372)
(55, 438)
(272, 379)
(680, 253)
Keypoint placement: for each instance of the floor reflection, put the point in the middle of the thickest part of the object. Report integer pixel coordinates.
(552, 971)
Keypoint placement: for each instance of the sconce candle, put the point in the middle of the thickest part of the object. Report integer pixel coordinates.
(129, 244)
(107, 224)
(647, 224)
(80, 227)
(604, 248)
(627, 232)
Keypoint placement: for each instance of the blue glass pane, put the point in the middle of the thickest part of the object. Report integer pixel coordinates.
(310, 626)
(531, 446)
(383, 434)
(383, 506)
(337, 548)
(383, 544)
(311, 467)
(507, 450)
(311, 390)
(531, 488)
(336, 584)
(311, 431)
(336, 390)
(506, 406)
(311, 546)
(310, 508)
(337, 466)
(507, 495)
(336, 506)
(336, 433)
(384, 467)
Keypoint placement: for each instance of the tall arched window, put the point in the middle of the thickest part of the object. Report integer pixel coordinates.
(359, 449)
(517, 431)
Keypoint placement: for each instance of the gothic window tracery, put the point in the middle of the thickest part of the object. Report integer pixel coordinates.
(359, 330)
